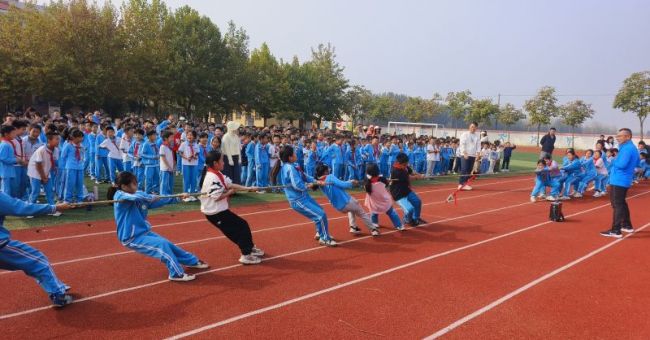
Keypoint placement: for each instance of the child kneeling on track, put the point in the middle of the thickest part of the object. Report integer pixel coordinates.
(297, 183)
(134, 231)
(378, 200)
(590, 173)
(334, 189)
(602, 174)
(400, 188)
(15, 255)
(215, 207)
(554, 177)
(541, 180)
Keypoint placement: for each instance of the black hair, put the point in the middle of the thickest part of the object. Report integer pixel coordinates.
(191, 132)
(109, 128)
(571, 151)
(547, 156)
(152, 132)
(51, 135)
(372, 170)
(7, 129)
(139, 132)
(402, 158)
(166, 135)
(285, 153)
(19, 124)
(36, 126)
(76, 133)
(321, 169)
(211, 157)
(541, 162)
(203, 135)
(123, 178)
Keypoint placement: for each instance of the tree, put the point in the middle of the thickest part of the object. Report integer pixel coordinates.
(357, 103)
(634, 96)
(458, 104)
(542, 108)
(328, 83)
(237, 81)
(510, 115)
(267, 95)
(575, 113)
(481, 111)
(417, 109)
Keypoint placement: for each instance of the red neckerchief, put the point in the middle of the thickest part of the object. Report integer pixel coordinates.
(113, 141)
(8, 140)
(374, 179)
(191, 149)
(205, 151)
(222, 179)
(155, 148)
(77, 152)
(352, 152)
(22, 151)
(51, 153)
(400, 166)
(135, 149)
(301, 172)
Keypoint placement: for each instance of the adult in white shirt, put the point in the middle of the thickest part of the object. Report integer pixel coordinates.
(231, 148)
(469, 146)
(41, 169)
(433, 156)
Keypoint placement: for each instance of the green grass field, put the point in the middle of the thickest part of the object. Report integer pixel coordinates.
(520, 162)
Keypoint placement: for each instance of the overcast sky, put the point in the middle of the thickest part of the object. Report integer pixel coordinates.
(584, 48)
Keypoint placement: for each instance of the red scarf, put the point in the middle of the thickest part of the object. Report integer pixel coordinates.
(374, 179)
(22, 151)
(77, 152)
(375, 149)
(51, 153)
(222, 179)
(8, 140)
(191, 149)
(400, 166)
(113, 141)
(135, 149)
(205, 152)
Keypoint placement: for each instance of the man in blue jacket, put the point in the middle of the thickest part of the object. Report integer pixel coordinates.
(620, 180)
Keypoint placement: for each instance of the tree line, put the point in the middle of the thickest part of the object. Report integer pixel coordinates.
(145, 57)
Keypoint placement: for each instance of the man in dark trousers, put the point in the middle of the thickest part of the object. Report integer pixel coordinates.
(620, 180)
(548, 143)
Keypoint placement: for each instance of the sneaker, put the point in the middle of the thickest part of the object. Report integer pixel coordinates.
(66, 287)
(460, 186)
(400, 228)
(628, 230)
(55, 214)
(611, 233)
(533, 199)
(374, 232)
(542, 196)
(98, 182)
(355, 230)
(597, 194)
(328, 243)
(249, 259)
(189, 199)
(551, 198)
(317, 237)
(421, 221)
(564, 198)
(60, 300)
(261, 192)
(577, 195)
(467, 188)
(182, 278)
(30, 217)
(199, 265)
(257, 252)
(413, 223)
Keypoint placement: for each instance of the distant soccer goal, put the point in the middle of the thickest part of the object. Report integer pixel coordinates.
(419, 129)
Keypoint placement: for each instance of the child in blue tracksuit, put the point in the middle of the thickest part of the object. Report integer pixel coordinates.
(101, 160)
(151, 162)
(15, 255)
(134, 231)
(135, 153)
(541, 180)
(590, 173)
(189, 152)
(91, 135)
(250, 154)
(73, 154)
(334, 189)
(311, 158)
(337, 155)
(384, 158)
(572, 169)
(352, 162)
(393, 151)
(262, 162)
(8, 161)
(400, 190)
(297, 184)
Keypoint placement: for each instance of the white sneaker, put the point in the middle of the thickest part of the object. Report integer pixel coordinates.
(460, 186)
(186, 277)
(189, 199)
(565, 198)
(541, 196)
(257, 252)
(328, 243)
(597, 194)
(29, 217)
(355, 230)
(261, 192)
(200, 265)
(400, 228)
(249, 259)
(551, 198)
(374, 232)
(56, 214)
(317, 237)
(467, 188)
(533, 199)
(628, 229)
(577, 195)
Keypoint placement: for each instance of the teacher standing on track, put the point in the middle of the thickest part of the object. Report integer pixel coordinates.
(470, 146)
(620, 180)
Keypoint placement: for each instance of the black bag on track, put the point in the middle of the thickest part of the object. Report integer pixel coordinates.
(555, 213)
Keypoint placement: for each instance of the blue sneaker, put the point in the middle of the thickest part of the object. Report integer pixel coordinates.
(60, 300)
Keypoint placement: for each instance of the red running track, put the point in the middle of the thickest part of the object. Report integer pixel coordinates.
(402, 285)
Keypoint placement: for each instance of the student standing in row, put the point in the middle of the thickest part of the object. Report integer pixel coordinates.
(167, 164)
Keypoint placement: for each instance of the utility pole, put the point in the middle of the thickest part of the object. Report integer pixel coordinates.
(496, 118)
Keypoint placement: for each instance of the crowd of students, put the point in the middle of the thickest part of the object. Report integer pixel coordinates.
(578, 174)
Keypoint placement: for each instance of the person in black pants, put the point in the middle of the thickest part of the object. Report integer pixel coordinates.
(620, 180)
(214, 205)
(469, 146)
(507, 153)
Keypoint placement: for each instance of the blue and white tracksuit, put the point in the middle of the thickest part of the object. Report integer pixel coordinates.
(541, 180)
(250, 169)
(73, 156)
(299, 199)
(151, 162)
(384, 166)
(337, 154)
(354, 164)
(343, 202)
(134, 231)
(101, 159)
(7, 168)
(589, 175)
(138, 167)
(262, 164)
(15, 255)
(573, 172)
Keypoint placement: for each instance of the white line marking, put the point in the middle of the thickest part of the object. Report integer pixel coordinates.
(33, 310)
(372, 276)
(524, 288)
(244, 214)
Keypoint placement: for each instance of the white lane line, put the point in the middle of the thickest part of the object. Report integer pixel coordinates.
(109, 293)
(244, 214)
(524, 288)
(372, 276)
(254, 232)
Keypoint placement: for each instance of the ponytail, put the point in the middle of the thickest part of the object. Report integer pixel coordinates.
(123, 178)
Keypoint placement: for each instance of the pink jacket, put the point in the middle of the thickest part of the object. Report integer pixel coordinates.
(379, 200)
